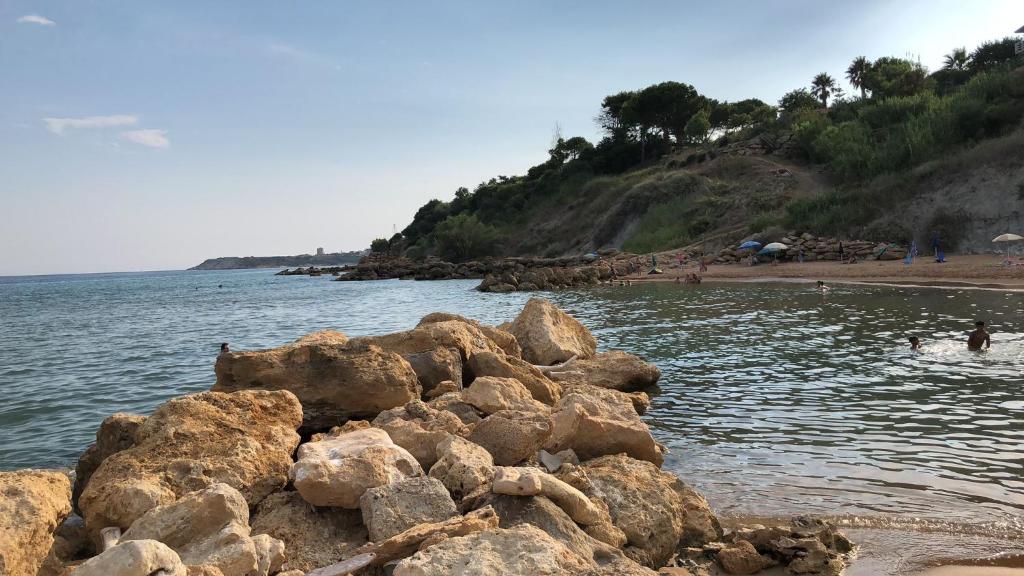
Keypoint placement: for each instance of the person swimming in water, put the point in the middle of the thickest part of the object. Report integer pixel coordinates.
(915, 344)
(978, 337)
(224, 348)
(822, 288)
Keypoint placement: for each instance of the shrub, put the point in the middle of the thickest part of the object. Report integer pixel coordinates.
(464, 237)
(848, 148)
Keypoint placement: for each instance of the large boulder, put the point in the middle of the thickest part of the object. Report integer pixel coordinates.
(524, 549)
(333, 381)
(419, 429)
(644, 502)
(394, 508)
(594, 427)
(337, 469)
(615, 370)
(134, 558)
(116, 433)
(435, 366)
(512, 436)
(491, 394)
(462, 466)
(540, 386)
(461, 336)
(639, 400)
(205, 527)
(549, 336)
(313, 537)
(32, 504)
(244, 439)
(505, 340)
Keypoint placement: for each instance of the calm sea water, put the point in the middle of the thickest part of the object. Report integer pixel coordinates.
(774, 400)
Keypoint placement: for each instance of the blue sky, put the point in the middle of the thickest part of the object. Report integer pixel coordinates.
(138, 135)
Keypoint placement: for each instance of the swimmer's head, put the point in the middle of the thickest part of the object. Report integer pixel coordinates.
(820, 283)
(913, 340)
(980, 323)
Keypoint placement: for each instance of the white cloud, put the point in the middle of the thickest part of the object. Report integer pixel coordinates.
(301, 55)
(36, 19)
(58, 125)
(148, 137)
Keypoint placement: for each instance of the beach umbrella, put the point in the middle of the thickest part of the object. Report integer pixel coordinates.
(775, 247)
(1007, 238)
(750, 244)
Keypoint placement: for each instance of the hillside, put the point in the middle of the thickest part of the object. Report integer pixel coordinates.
(244, 262)
(916, 155)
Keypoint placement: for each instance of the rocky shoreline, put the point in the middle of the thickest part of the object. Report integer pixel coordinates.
(451, 447)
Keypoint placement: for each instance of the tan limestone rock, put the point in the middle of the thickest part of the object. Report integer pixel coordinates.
(594, 427)
(615, 370)
(542, 388)
(462, 466)
(244, 439)
(134, 558)
(548, 335)
(512, 436)
(338, 469)
(333, 381)
(742, 558)
(505, 340)
(116, 433)
(491, 394)
(33, 503)
(394, 508)
(419, 428)
(533, 481)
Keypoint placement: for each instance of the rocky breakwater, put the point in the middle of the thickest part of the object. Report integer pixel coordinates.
(450, 448)
(815, 248)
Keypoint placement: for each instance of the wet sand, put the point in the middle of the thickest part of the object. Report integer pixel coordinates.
(978, 271)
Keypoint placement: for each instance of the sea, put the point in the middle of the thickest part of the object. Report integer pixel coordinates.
(774, 401)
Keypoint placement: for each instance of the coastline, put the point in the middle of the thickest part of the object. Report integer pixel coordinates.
(961, 271)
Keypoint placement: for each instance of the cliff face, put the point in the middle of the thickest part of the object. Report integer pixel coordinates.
(239, 263)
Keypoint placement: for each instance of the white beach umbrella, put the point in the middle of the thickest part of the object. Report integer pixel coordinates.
(776, 246)
(1007, 238)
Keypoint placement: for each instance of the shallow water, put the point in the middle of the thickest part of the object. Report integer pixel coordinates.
(774, 400)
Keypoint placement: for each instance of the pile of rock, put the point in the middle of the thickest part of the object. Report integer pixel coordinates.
(451, 447)
(821, 248)
(316, 270)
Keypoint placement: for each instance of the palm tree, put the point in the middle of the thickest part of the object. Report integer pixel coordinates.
(857, 73)
(957, 59)
(822, 87)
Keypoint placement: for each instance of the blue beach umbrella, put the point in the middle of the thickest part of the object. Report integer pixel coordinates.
(749, 245)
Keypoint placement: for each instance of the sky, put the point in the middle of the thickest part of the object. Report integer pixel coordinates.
(143, 135)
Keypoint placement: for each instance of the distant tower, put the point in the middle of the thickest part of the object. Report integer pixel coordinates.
(319, 251)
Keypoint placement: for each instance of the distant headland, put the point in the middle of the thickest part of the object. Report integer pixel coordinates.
(318, 259)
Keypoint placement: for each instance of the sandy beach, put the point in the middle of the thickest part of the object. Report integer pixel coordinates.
(977, 271)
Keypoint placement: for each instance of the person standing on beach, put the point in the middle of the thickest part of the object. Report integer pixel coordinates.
(842, 260)
(978, 337)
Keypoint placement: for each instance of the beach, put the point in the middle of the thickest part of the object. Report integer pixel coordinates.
(975, 270)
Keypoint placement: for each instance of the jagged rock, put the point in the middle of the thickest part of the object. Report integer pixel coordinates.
(554, 461)
(549, 517)
(334, 381)
(548, 335)
(462, 466)
(644, 502)
(435, 366)
(809, 556)
(453, 402)
(491, 394)
(204, 570)
(419, 429)
(640, 400)
(394, 508)
(134, 558)
(243, 439)
(512, 436)
(71, 544)
(742, 558)
(313, 537)
(116, 433)
(700, 525)
(418, 537)
(337, 469)
(443, 388)
(533, 482)
(594, 427)
(540, 386)
(32, 504)
(505, 340)
(205, 527)
(615, 370)
(328, 337)
(462, 336)
(523, 549)
(270, 554)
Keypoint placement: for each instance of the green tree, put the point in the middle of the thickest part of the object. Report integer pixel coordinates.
(822, 87)
(610, 118)
(698, 128)
(958, 60)
(993, 53)
(379, 246)
(857, 72)
(795, 100)
(891, 76)
(463, 237)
